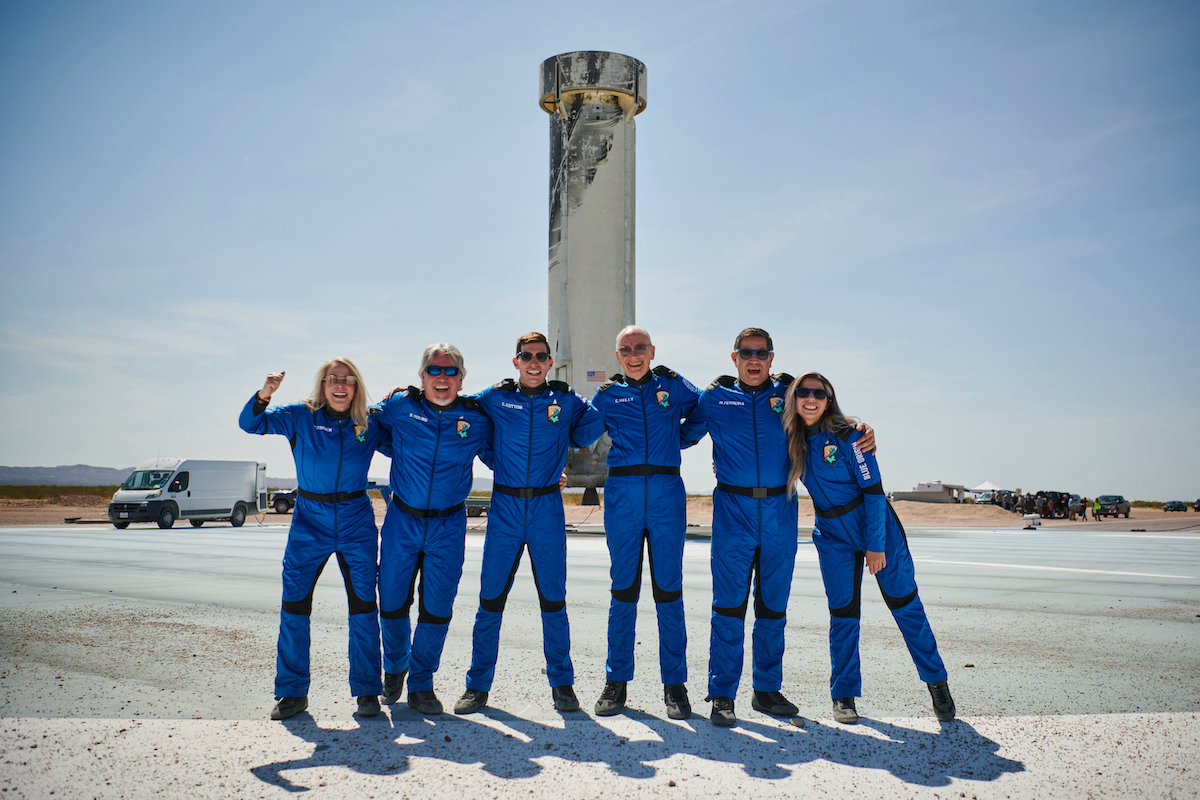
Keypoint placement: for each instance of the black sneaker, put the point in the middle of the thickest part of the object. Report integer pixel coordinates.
(943, 703)
(773, 703)
(393, 685)
(564, 698)
(368, 705)
(471, 701)
(288, 707)
(675, 696)
(844, 710)
(722, 712)
(425, 702)
(612, 699)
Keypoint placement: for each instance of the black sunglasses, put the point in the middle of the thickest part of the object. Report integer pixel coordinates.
(804, 391)
(527, 357)
(745, 354)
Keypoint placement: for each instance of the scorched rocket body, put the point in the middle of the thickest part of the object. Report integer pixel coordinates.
(592, 98)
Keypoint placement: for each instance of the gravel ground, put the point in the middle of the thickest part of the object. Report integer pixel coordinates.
(110, 696)
(400, 754)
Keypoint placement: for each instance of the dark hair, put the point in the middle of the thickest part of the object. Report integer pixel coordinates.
(746, 334)
(833, 420)
(531, 338)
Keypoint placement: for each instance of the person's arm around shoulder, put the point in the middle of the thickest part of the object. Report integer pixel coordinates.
(866, 473)
(867, 442)
(379, 431)
(487, 453)
(587, 423)
(695, 423)
(687, 396)
(478, 404)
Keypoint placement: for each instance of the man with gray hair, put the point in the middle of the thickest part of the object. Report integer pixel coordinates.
(645, 508)
(435, 436)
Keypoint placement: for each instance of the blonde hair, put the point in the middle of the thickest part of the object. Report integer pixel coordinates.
(358, 406)
(833, 421)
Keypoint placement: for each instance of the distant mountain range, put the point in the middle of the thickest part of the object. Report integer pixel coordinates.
(83, 475)
(77, 475)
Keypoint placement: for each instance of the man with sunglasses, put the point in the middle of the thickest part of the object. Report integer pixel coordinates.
(645, 507)
(435, 436)
(754, 524)
(536, 421)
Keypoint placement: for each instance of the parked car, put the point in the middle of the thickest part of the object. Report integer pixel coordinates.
(1175, 505)
(1052, 504)
(478, 506)
(283, 502)
(164, 490)
(1196, 506)
(1111, 505)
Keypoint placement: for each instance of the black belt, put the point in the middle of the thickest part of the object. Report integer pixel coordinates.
(840, 510)
(642, 469)
(757, 492)
(340, 497)
(525, 492)
(425, 512)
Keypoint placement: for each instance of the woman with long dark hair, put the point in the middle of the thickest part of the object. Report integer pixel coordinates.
(855, 524)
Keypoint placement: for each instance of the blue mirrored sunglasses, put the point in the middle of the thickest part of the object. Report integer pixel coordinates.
(450, 371)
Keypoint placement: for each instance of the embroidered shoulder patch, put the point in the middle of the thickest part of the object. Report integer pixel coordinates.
(831, 454)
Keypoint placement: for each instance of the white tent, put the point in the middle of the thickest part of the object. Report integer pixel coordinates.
(986, 486)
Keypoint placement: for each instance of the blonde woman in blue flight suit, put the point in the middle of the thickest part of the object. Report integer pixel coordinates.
(333, 441)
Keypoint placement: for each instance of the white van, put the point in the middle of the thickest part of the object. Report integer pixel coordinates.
(163, 490)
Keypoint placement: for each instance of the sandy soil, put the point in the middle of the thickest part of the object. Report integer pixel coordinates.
(55, 510)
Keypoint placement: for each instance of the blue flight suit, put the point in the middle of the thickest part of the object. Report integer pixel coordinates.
(754, 527)
(645, 505)
(425, 530)
(333, 515)
(533, 429)
(854, 516)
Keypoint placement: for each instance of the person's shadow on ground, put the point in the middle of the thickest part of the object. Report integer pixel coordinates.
(384, 744)
(507, 746)
(924, 758)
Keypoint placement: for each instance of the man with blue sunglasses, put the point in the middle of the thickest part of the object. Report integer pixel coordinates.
(435, 435)
(536, 421)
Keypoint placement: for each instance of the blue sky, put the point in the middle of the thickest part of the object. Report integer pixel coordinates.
(980, 220)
